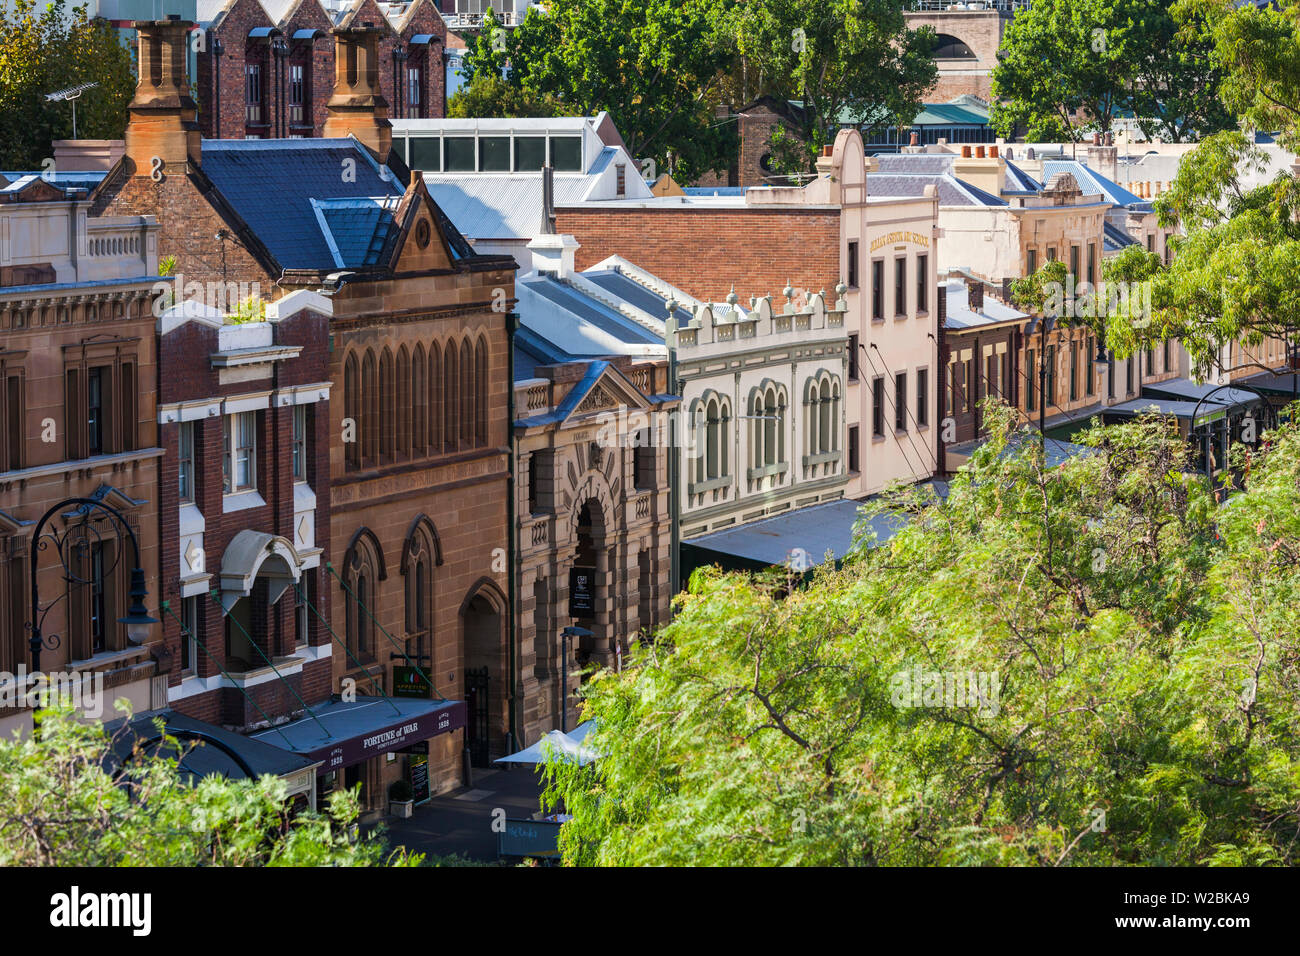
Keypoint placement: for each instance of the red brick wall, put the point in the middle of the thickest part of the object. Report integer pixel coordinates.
(244, 15)
(704, 251)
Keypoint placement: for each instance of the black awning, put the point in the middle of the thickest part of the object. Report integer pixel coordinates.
(208, 747)
(343, 733)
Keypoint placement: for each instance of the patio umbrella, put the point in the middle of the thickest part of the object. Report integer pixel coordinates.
(566, 747)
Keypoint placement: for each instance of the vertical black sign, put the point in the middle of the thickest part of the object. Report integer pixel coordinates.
(582, 593)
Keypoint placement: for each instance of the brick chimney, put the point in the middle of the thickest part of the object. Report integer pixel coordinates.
(162, 116)
(983, 171)
(975, 295)
(357, 108)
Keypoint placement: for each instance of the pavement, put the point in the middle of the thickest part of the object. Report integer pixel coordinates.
(460, 821)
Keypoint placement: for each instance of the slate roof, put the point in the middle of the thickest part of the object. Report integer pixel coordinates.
(935, 164)
(355, 229)
(1114, 238)
(952, 191)
(631, 291)
(16, 181)
(277, 185)
(598, 324)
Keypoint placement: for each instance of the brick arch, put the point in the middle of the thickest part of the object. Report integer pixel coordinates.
(486, 588)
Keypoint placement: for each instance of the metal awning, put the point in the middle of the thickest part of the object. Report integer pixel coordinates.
(342, 733)
(263, 33)
(1210, 411)
(1185, 390)
(801, 538)
(308, 34)
(422, 39)
(1282, 383)
(204, 759)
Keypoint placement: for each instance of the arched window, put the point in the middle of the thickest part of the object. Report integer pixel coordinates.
(825, 430)
(362, 571)
(387, 414)
(352, 410)
(469, 389)
(757, 433)
(947, 47)
(450, 398)
(481, 401)
(418, 560)
(713, 440)
(404, 410)
(771, 423)
(419, 403)
(369, 423)
(435, 399)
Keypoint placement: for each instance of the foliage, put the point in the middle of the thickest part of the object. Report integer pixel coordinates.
(65, 802)
(52, 48)
(1145, 706)
(166, 265)
(252, 309)
(848, 62)
(1067, 65)
(652, 64)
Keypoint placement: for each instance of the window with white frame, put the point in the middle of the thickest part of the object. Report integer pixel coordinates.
(239, 454)
(300, 443)
(185, 462)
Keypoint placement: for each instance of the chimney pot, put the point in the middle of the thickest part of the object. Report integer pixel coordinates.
(965, 152)
(993, 152)
(979, 152)
(915, 139)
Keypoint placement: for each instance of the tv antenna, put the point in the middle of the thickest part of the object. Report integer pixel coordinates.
(71, 94)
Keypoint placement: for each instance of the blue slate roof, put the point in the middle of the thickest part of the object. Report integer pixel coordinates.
(600, 315)
(355, 229)
(272, 183)
(633, 292)
(1114, 238)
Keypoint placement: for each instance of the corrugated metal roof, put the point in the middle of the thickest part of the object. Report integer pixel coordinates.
(952, 191)
(1091, 182)
(596, 314)
(634, 293)
(501, 205)
(961, 316)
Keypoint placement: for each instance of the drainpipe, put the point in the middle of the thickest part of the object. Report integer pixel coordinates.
(512, 326)
(674, 460)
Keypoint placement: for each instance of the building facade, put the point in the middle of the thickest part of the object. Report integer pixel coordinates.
(593, 529)
(413, 564)
(78, 369)
(266, 70)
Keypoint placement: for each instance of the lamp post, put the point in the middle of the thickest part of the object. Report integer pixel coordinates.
(137, 619)
(1209, 439)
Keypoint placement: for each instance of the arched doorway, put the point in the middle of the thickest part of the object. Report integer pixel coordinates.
(487, 685)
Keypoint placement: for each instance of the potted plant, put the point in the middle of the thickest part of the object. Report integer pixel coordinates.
(401, 799)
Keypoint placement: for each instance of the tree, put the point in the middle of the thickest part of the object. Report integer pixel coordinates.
(1061, 66)
(848, 62)
(49, 50)
(1091, 664)
(1233, 274)
(654, 65)
(1174, 86)
(1067, 65)
(65, 801)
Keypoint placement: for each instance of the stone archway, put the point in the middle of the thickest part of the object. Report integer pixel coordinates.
(487, 675)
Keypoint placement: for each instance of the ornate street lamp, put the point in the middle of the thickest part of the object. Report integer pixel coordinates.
(137, 619)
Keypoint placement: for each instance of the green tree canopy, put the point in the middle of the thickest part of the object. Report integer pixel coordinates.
(1070, 65)
(654, 65)
(1134, 653)
(848, 62)
(66, 801)
(48, 49)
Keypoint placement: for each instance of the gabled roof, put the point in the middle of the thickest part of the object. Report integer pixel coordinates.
(952, 191)
(274, 185)
(1091, 182)
(935, 164)
(598, 328)
(356, 230)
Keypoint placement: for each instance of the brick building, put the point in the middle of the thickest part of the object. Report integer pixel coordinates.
(967, 41)
(266, 70)
(416, 428)
(77, 373)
